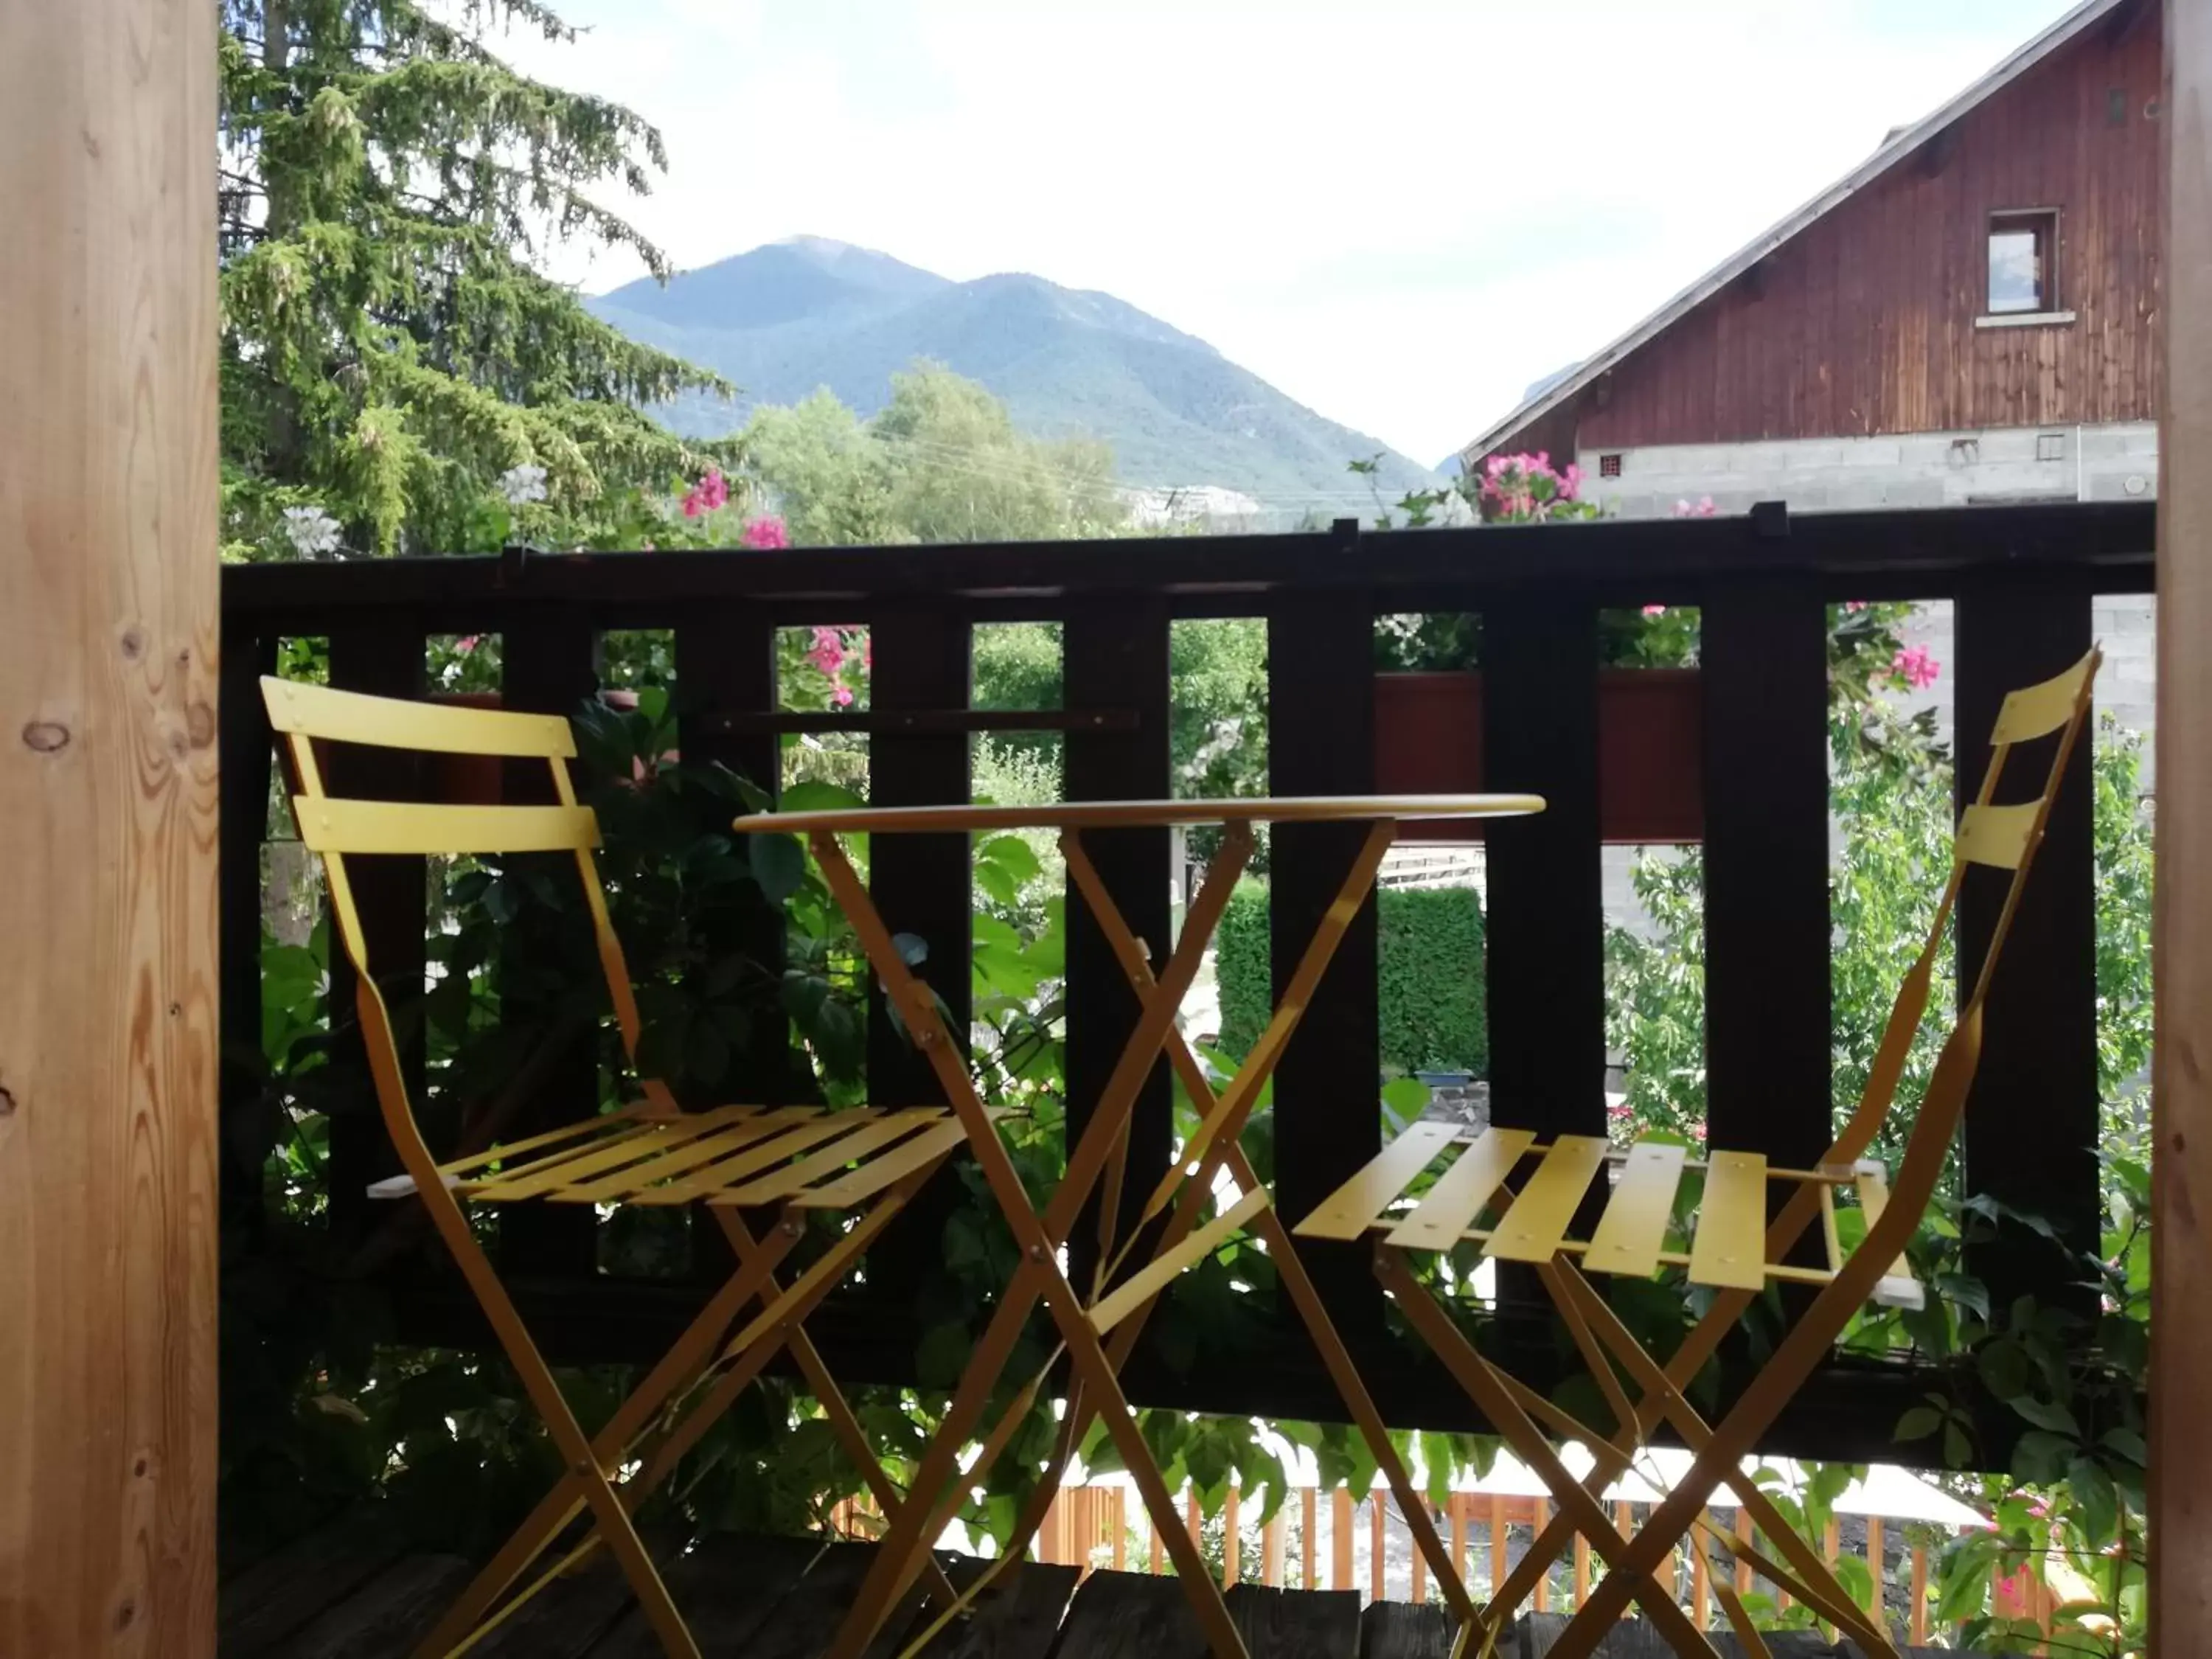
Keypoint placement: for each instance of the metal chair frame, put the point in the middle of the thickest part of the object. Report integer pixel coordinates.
(1735, 1250)
(790, 1160)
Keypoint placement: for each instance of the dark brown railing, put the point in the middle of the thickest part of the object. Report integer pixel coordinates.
(2021, 579)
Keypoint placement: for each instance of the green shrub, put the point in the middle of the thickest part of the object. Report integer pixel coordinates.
(1431, 989)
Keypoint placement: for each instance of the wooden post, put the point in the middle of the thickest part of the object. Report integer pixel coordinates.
(1340, 1538)
(2180, 1477)
(1701, 1588)
(1229, 1540)
(1190, 1514)
(1540, 1518)
(1743, 1531)
(1874, 1568)
(1271, 1550)
(1375, 1556)
(1158, 1551)
(1420, 1580)
(1917, 1623)
(1310, 1514)
(1459, 1532)
(1582, 1570)
(108, 1020)
(1498, 1536)
(1832, 1547)
(1117, 1517)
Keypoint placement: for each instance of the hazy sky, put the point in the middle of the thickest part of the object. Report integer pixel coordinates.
(1400, 212)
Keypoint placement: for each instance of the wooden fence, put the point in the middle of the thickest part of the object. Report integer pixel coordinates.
(2022, 580)
(1311, 1541)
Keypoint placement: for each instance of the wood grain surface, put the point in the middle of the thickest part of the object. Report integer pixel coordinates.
(109, 579)
(2181, 1163)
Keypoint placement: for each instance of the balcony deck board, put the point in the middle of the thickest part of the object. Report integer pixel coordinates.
(347, 1592)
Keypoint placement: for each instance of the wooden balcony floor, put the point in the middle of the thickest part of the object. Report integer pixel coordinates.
(348, 1593)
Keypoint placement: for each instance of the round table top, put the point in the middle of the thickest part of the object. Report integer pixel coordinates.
(1139, 814)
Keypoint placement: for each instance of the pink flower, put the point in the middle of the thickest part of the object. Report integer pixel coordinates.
(1570, 483)
(1915, 666)
(766, 533)
(1855, 605)
(1655, 610)
(1703, 508)
(709, 493)
(841, 696)
(828, 652)
(867, 653)
(467, 643)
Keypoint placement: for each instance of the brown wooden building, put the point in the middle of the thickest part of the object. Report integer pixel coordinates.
(1972, 315)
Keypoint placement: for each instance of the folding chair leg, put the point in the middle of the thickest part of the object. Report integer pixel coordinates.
(939, 1475)
(1497, 1402)
(1792, 1361)
(1224, 1148)
(1090, 1364)
(829, 1396)
(678, 1366)
(1588, 1315)
(568, 1437)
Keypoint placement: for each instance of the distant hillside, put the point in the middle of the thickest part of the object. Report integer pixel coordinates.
(794, 315)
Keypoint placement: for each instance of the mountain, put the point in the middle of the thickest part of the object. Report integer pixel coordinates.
(809, 312)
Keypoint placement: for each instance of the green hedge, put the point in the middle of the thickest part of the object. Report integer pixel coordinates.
(1430, 989)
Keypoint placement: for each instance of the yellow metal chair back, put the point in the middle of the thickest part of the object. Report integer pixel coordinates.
(336, 827)
(2006, 837)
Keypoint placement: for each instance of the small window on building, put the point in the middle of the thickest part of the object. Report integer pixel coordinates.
(2023, 262)
(1608, 466)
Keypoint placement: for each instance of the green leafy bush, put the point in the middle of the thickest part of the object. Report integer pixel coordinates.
(1431, 993)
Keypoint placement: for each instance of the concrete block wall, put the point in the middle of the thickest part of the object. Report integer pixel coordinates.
(1921, 469)
(1939, 469)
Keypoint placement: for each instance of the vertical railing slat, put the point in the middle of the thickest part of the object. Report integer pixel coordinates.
(1767, 1013)
(384, 659)
(551, 666)
(1115, 659)
(245, 758)
(2030, 1136)
(726, 666)
(922, 885)
(1545, 936)
(1328, 1120)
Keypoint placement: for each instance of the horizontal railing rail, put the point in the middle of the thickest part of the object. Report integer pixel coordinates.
(2021, 579)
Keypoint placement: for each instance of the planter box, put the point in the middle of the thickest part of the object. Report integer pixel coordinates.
(1651, 743)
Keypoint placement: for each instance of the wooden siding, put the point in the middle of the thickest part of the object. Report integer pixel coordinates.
(1865, 322)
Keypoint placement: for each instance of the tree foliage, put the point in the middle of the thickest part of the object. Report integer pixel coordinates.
(1431, 993)
(942, 462)
(390, 350)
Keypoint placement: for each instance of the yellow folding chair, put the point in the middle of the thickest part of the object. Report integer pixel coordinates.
(794, 1159)
(1467, 1192)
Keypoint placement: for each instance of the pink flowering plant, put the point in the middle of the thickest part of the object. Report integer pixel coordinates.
(1529, 489)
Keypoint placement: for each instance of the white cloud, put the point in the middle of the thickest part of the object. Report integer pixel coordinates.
(1400, 212)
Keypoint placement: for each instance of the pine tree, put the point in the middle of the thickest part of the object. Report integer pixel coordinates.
(390, 355)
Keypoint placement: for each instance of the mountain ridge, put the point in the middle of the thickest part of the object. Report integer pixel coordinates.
(784, 318)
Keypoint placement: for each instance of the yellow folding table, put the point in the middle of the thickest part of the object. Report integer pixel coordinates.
(1098, 1324)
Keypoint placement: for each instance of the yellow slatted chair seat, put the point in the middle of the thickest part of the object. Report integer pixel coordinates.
(1452, 1181)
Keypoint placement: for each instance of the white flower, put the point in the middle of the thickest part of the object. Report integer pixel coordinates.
(523, 483)
(312, 532)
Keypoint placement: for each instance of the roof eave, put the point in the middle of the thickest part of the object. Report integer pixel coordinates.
(2060, 33)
